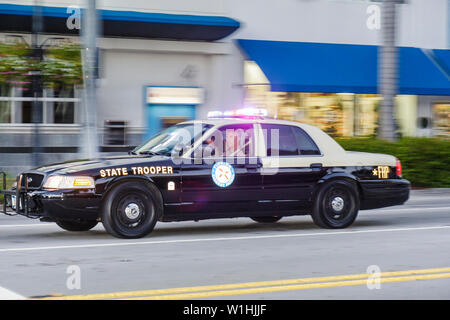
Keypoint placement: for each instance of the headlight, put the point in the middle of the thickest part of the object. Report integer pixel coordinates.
(69, 182)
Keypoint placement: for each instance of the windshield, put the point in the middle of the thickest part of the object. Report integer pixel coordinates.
(173, 139)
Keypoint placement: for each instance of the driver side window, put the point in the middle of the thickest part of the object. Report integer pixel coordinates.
(235, 140)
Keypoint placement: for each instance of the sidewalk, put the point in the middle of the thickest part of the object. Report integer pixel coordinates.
(430, 196)
(431, 192)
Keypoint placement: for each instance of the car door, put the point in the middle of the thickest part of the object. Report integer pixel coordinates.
(225, 173)
(291, 166)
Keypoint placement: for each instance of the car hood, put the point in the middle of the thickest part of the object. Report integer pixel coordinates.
(87, 165)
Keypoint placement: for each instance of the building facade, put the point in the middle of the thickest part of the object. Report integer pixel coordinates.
(162, 62)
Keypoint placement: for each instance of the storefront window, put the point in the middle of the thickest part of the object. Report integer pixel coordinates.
(5, 112)
(27, 105)
(366, 114)
(338, 114)
(5, 105)
(64, 111)
(61, 73)
(325, 111)
(441, 121)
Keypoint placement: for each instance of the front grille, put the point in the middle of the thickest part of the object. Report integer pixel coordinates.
(34, 180)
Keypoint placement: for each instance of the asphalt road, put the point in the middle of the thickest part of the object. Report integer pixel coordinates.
(40, 259)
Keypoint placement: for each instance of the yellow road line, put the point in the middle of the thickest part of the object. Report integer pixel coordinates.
(222, 293)
(118, 295)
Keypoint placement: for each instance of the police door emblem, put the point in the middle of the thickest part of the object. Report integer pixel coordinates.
(222, 174)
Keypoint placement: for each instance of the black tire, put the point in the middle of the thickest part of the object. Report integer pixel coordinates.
(336, 205)
(266, 219)
(81, 225)
(131, 209)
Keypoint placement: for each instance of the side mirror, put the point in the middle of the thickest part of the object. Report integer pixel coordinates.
(178, 151)
(131, 151)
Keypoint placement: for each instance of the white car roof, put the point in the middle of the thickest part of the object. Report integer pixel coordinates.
(326, 144)
(332, 153)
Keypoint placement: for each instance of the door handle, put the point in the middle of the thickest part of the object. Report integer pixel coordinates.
(316, 167)
(253, 165)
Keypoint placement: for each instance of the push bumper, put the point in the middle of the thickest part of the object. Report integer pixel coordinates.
(52, 205)
(384, 193)
(6, 197)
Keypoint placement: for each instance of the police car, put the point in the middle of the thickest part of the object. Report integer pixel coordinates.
(230, 165)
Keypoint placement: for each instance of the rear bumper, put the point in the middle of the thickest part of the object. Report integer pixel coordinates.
(384, 193)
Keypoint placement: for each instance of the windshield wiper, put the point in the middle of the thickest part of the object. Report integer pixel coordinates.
(151, 153)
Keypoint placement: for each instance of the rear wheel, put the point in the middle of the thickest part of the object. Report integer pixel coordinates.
(81, 225)
(336, 205)
(267, 219)
(131, 210)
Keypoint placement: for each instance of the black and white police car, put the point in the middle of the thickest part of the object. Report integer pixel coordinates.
(222, 167)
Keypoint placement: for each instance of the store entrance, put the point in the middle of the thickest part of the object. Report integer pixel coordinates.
(160, 117)
(171, 121)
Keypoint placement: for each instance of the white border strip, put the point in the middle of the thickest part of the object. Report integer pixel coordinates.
(6, 294)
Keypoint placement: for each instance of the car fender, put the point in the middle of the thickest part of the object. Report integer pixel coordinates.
(113, 182)
(337, 176)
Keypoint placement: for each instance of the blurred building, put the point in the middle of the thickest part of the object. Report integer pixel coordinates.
(165, 61)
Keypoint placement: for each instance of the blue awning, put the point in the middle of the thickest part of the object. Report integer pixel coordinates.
(443, 59)
(325, 67)
(17, 18)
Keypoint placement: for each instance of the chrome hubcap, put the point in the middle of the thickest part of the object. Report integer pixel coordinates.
(337, 204)
(132, 211)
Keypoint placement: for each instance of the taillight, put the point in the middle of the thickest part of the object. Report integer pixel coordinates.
(398, 167)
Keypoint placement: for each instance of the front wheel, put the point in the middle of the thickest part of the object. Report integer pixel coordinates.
(336, 205)
(81, 225)
(131, 210)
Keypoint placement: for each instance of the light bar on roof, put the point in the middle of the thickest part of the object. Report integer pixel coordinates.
(229, 113)
(239, 113)
(256, 112)
(215, 114)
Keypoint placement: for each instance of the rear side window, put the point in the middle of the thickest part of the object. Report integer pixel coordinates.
(284, 140)
(280, 140)
(305, 144)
